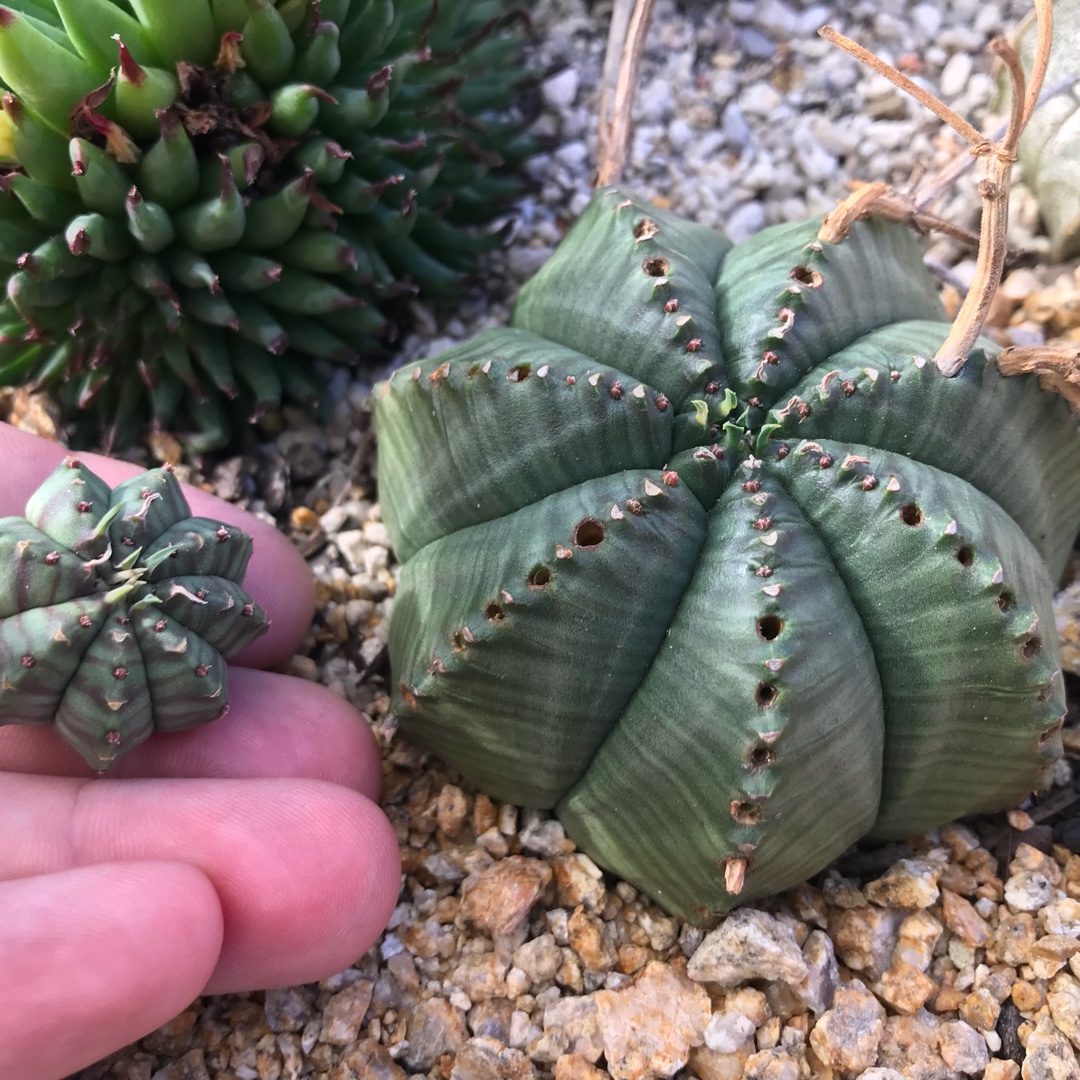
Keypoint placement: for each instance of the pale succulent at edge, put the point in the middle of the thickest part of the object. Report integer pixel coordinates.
(704, 554)
(118, 611)
(201, 199)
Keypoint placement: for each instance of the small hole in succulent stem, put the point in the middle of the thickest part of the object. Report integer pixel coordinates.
(538, 577)
(493, 611)
(1031, 647)
(911, 514)
(760, 757)
(519, 373)
(588, 533)
(965, 556)
(1047, 737)
(805, 276)
(744, 813)
(769, 627)
(1005, 600)
(656, 266)
(645, 229)
(766, 694)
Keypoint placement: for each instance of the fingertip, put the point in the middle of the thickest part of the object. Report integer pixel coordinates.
(350, 888)
(98, 956)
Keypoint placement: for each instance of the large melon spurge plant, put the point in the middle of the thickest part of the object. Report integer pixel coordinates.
(734, 555)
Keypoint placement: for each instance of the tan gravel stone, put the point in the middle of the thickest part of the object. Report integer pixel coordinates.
(905, 988)
(343, 1014)
(1012, 938)
(1028, 996)
(452, 809)
(963, 1048)
(578, 881)
(368, 1060)
(500, 898)
(1049, 1055)
(980, 1009)
(963, 920)
(816, 991)
(771, 1065)
(649, 1027)
(1063, 1000)
(485, 1058)
(481, 976)
(576, 1017)
(592, 940)
(435, 1027)
(919, 933)
(865, 937)
(706, 1064)
(847, 1036)
(910, 1044)
(575, 1067)
(909, 883)
(1001, 1069)
(749, 944)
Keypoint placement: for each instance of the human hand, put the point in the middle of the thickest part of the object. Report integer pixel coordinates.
(245, 854)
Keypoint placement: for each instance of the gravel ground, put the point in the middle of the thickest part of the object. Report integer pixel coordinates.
(510, 956)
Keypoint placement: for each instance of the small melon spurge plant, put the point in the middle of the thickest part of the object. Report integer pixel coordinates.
(733, 555)
(118, 611)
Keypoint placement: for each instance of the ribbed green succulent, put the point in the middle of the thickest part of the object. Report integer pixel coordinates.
(118, 610)
(200, 199)
(705, 554)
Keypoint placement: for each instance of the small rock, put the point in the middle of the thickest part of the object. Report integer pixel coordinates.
(823, 973)
(963, 920)
(575, 1067)
(343, 1014)
(649, 1027)
(368, 1060)
(545, 837)
(865, 937)
(963, 1048)
(1001, 1069)
(560, 90)
(485, 1058)
(579, 881)
(728, 1030)
(905, 988)
(1064, 1003)
(919, 933)
(576, 1018)
(910, 1044)
(749, 944)
(287, 1009)
(847, 1035)
(1028, 891)
(435, 1027)
(481, 976)
(1049, 1055)
(500, 898)
(539, 959)
(880, 1074)
(451, 809)
(909, 883)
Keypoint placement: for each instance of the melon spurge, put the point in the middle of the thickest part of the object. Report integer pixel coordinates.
(118, 611)
(732, 555)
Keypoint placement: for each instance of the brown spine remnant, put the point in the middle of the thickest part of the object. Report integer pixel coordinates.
(996, 158)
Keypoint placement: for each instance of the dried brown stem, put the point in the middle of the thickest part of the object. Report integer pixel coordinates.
(629, 27)
(996, 157)
(898, 79)
(1058, 369)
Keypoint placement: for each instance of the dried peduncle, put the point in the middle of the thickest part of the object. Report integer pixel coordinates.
(996, 158)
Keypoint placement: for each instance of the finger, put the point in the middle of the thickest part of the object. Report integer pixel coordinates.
(306, 872)
(278, 577)
(93, 958)
(277, 726)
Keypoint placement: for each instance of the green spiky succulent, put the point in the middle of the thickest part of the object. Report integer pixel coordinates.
(198, 200)
(705, 555)
(118, 610)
